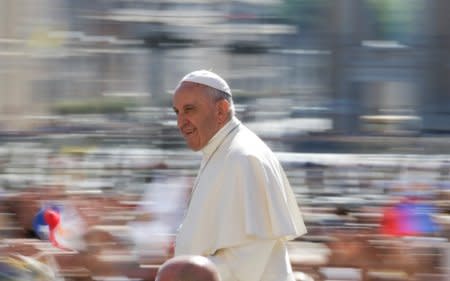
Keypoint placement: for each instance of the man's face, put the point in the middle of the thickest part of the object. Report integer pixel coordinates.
(197, 114)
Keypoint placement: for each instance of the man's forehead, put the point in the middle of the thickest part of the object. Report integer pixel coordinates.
(188, 91)
(184, 104)
(184, 100)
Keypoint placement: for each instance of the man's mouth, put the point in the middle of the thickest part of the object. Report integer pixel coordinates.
(188, 133)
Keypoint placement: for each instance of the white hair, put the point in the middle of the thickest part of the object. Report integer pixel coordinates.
(218, 95)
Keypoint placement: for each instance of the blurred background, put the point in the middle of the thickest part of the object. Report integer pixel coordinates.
(352, 95)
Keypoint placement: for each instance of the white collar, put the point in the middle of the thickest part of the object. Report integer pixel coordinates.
(218, 138)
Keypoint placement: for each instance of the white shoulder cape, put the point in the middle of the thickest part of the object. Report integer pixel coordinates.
(242, 194)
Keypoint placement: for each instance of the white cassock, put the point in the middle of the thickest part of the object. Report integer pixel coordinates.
(242, 209)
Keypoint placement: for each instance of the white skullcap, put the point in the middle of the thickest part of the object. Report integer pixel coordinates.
(207, 78)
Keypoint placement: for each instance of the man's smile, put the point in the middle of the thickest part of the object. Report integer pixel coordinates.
(188, 132)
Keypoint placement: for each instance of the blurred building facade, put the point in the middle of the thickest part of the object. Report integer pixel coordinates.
(58, 51)
(398, 78)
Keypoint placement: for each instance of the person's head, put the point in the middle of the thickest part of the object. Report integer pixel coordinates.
(203, 104)
(188, 268)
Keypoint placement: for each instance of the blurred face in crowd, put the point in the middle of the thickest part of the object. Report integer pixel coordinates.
(199, 115)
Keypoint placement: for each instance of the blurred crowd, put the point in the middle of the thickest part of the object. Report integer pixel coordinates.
(74, 214)
(85, 94)
(385, 221)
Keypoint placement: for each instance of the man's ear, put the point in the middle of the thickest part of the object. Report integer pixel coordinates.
(223, 107)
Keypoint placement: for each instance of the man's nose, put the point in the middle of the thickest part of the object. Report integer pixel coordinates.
(181, 121)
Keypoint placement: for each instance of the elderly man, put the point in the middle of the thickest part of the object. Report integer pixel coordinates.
(242, 208)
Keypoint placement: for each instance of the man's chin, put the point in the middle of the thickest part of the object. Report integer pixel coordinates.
(193, 146)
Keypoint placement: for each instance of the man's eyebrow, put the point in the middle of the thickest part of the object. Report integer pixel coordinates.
(186, 106)
(189, 105)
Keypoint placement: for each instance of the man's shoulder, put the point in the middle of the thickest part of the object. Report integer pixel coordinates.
(245, 137)
(247, 144)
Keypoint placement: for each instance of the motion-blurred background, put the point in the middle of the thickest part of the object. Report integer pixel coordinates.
(352, 95)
